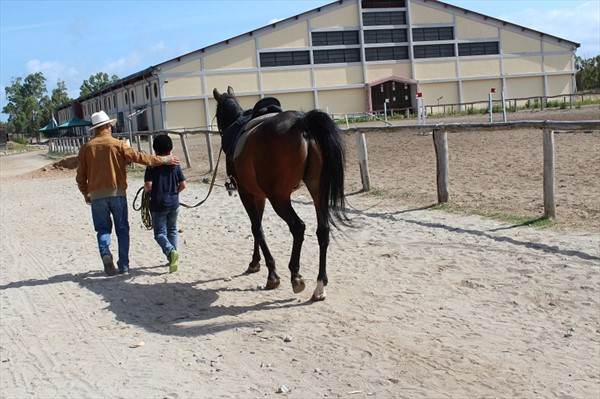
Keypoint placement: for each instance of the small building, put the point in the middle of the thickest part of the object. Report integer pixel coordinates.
(348, 56)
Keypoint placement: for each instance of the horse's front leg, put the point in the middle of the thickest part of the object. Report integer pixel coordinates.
(255, 207)
(319, 293)
(254, 265)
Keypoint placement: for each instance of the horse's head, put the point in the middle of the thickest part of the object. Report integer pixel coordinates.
(228, 109)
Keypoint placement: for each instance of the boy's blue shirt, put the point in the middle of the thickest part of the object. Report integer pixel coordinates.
(165, 186)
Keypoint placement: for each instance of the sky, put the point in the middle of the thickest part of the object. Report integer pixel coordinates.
(71, 40)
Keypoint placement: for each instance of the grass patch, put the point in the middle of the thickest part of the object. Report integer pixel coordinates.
(517, 220)
(378, 192)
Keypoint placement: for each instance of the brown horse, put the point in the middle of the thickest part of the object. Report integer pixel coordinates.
(283, 151)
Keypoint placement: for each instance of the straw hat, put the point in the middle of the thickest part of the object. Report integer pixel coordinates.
(100, 118)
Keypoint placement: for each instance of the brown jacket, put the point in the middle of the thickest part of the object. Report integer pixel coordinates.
(101, 171)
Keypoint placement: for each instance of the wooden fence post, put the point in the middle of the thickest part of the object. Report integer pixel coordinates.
(363, 160)
(549, 201)
(186, 153)
(211, 158)
(440, 141)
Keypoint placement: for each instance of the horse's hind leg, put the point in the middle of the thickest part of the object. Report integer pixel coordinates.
(323, 230)
(255, 208)
(323, 237)
(283, 207)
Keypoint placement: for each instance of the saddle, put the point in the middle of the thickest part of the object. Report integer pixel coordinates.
(263, 109)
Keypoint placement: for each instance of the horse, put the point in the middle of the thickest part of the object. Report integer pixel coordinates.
(286, 149)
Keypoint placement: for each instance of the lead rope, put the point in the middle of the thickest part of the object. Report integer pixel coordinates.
(144, 208)
(212, 183)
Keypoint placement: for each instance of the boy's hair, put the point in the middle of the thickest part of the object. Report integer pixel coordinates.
(162, 144)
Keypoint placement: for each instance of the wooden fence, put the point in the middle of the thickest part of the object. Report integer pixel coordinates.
(440, 141)
(72, 145)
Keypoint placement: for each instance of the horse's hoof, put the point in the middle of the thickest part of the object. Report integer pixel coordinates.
(298, 285)
(318, 298)
(253, 269)
(271, 285)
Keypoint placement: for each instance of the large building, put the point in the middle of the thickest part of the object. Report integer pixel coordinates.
(349, 56)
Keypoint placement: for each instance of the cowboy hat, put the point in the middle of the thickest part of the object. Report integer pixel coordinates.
(100, 118)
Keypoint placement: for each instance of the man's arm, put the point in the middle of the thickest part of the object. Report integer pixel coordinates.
(148, 159)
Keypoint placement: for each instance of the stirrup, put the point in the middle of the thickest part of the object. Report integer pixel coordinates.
(230, 185)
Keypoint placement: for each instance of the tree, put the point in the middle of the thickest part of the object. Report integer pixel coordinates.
(57, 99)
(588, 73)
(24, 103)
(60, 95)
(96, 82)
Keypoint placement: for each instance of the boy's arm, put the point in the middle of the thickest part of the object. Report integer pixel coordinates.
(182, 185)
(147, 179)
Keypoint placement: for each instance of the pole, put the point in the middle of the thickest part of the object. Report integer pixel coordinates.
(503, 106)
(490, 105)
(385, 110)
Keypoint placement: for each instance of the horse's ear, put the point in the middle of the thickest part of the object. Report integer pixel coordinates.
(216, 94)
(230, 91)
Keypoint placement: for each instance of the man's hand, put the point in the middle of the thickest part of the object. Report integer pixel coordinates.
(88, 200)
(170, 160)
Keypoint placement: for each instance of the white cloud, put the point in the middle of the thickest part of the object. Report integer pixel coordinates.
(53, 71)
(580, 24)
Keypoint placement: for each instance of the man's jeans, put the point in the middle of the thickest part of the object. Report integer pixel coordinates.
(102, 209)
(165, 229)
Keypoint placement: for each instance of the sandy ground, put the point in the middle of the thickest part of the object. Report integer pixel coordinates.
(421, 303)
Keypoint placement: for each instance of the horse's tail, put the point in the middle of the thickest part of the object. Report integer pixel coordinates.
(330, 140)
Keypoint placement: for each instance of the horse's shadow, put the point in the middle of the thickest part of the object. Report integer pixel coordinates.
(169, 308)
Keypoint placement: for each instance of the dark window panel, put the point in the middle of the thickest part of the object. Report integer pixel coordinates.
(336, 56)
(384, 18)
(480, 48)
(385, 36)
(434, 51)
(383, 4)
(431, 34)
(386, 53)
(284, 58)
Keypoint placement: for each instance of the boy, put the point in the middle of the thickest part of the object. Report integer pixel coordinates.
(164, 184)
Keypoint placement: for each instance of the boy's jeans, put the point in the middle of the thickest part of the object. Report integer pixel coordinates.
(102, 209)
(165, 229)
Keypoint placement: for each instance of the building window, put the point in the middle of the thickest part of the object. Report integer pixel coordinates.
(335, 38)
(386, 53)
(155, 87)
(126, 98)
(384, 18)
(115, 100)
(284, 58)
(482, 48)
(431, 34)
(147, 90)
(336, 56)
(132, 96)
(383, 4)
(434, 51)
(385, 36)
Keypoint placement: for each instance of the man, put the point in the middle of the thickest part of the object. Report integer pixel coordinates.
(102, 179)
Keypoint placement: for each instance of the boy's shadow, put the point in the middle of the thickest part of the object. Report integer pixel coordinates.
(169, 308)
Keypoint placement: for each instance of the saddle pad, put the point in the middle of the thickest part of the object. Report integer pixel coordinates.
(248, 130)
